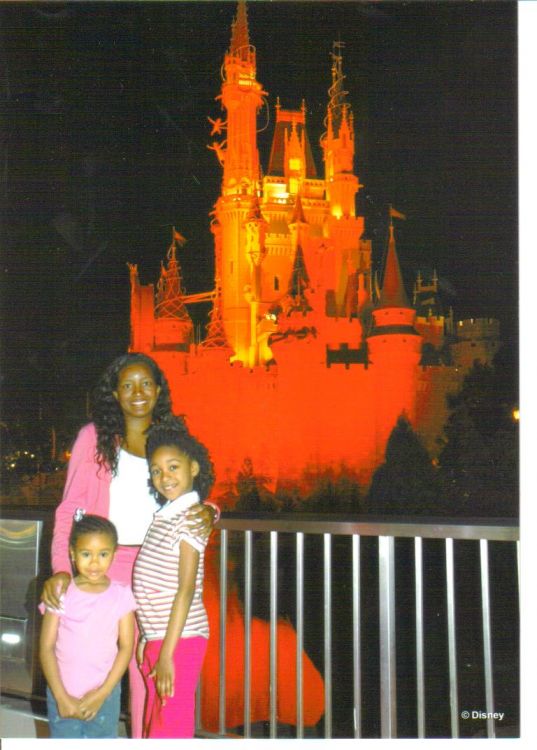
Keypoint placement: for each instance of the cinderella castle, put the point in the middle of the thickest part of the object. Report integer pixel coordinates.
(311, 354)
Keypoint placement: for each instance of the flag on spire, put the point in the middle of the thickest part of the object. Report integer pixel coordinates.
(177, 237)
(396, 214)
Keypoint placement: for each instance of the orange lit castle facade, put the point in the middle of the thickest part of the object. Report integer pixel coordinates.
(307, 362)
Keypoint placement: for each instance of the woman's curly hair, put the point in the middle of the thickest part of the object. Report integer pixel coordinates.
(106, 412)
(172, 432)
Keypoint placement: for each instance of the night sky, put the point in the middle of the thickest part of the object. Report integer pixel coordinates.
(107, 107)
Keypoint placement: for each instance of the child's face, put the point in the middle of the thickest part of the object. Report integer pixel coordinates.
(172, 472)
(92, 555)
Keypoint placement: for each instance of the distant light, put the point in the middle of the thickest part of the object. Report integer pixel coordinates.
(11, 638)
(516, 414)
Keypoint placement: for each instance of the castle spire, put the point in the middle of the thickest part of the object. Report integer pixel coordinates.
(337, 105)
(337, 143)
(216, 335)
(239, 29)
(298, 283)
(298, 212)
(393, 290)
(169, 301)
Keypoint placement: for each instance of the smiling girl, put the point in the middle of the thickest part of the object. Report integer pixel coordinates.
(168, 582)
(86, 646)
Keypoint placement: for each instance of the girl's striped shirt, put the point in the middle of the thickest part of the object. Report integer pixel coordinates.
(156, 572)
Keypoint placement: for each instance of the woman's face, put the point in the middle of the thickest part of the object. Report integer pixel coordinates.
(137, 391)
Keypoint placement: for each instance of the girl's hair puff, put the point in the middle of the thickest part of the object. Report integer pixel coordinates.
(90, 524)
(172, 432)
(106, 412)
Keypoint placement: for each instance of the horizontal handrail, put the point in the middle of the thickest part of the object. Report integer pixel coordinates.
(501, 529)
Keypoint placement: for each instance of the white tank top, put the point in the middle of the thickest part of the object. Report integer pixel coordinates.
(131, 503)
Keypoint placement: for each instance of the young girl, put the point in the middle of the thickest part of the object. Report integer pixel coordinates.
(86, 645)
(168, 582)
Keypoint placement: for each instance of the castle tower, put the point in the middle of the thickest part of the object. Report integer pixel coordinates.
(255, 226)
(142, 313)
(173, 325)
(394, 350)
(215, 339)
(338, 144)
(241, 97)
(344, 227)
(430, 319)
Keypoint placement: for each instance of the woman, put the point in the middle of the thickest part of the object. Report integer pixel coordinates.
(107, 476)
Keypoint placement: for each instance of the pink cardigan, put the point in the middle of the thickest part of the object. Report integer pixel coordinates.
(87, 486)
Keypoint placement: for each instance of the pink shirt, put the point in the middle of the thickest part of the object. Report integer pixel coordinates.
(86, 646)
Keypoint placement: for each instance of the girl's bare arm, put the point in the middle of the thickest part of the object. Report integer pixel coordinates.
(68, 707)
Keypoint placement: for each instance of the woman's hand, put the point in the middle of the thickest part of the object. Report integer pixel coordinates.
(164, 675)
(201, 519)
(53, 588)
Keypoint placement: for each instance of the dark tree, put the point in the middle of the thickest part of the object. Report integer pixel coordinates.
(479, 458)
(252, 491)
(333, 494)
(407, 482)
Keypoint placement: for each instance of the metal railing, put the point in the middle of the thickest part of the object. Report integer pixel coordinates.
(422, 543)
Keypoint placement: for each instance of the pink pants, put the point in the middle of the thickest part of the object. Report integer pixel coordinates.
(121, 571)
(174, 718)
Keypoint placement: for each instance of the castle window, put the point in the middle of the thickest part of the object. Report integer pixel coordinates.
(276, 284)
(295, 164)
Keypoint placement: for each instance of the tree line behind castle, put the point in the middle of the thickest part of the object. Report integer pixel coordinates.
(475, 474)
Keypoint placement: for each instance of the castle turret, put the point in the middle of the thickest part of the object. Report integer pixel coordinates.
(338, 144)
(430, 319)
(241, 97)
(343, 227)
(142, 313)
(173, 325)
(255, 226)
(394, 350)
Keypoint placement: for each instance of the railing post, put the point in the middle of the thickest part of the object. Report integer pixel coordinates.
(420, 671)
(452, 639)
(299, 632)
(247, 632)
(388, 694)
(356, 639)
(487, 642)
(273, 632)
(327, 636)
(222, 635)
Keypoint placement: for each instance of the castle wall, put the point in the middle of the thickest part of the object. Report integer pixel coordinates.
(295, 419)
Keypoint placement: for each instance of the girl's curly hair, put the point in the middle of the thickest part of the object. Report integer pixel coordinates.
(106, 412)
(172, 432)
